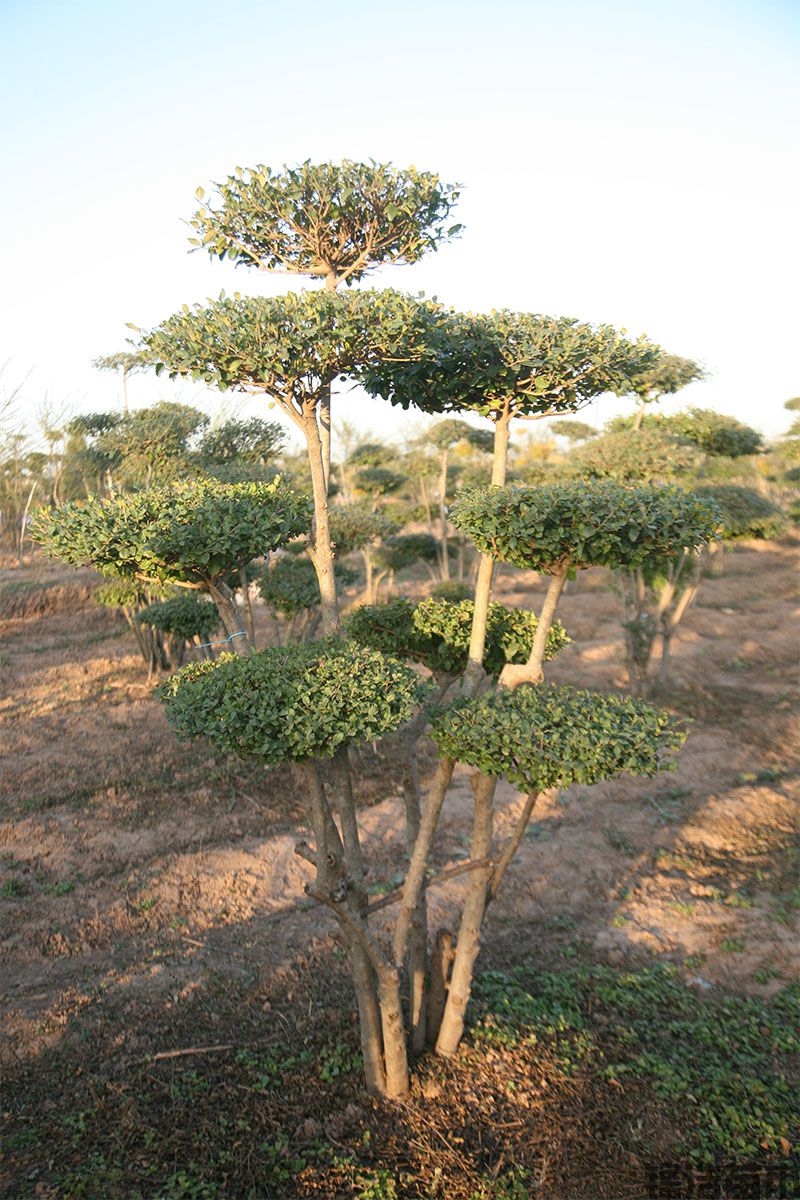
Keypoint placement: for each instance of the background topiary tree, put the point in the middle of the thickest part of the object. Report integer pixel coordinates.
(185, 620)
(290, 589)
(192, 535)
(361, 527)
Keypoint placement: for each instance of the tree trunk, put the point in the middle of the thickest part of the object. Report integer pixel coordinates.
(248, 607)
(320, 550)
(469, 933)
(483, 586)
(441, 963)
(418, 933)
(326, 839)
(445, 553)
(223, 597)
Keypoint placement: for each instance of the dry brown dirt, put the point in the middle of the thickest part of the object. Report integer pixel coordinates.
(138, 875)
(116, 839)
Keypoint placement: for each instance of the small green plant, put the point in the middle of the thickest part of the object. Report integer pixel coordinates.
(732, 945)
(337, 1059)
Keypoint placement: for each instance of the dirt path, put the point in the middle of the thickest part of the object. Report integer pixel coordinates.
(134, 865)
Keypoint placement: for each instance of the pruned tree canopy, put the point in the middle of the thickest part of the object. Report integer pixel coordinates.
(546, 736)
(436, 633)
(190, 533)
(581, 525)
(335, 220)
(293, 702)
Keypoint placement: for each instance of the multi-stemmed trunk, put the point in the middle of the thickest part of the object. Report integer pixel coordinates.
(225, 602)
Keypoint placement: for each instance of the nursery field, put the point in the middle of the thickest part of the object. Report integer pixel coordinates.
(178, 1017)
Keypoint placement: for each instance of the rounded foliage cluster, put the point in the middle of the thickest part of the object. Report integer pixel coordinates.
(291, 703)
(646, 455)
(745, 512)
(121, 592)
(548, 736)
(190, 532)
(290, 586)
(436, 633)
(580, 525)
(403, 550)
(354, 526)
(716, 433)
(182, 616)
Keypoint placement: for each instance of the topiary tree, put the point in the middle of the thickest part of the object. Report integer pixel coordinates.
(303, 704)
(744, 514)
(291, 349)
(646, 455)
(715, 433)
(573, 431)
(151, 445)
(184, 620)
(191, 535)
(240, 444)
(664, 376)
(400, 551)
(503, 366)
(290, 589)
(333, 221)
(360, 527)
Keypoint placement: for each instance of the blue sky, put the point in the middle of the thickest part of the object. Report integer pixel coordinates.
(625, 162)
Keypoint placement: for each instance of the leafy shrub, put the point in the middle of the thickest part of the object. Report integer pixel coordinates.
(189, 532)
(745, 512)
(451, 590)
(354, 526)
(290, 586)
(182, 616)
(599, 525)
(437, 633)
(294, 702)
(646, 455)
(547, 736)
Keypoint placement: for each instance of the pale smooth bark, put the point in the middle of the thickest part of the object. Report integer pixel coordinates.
(483, 586)
(321, 551)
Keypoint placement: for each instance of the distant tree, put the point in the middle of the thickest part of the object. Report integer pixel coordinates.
(192, 535)
(573, 431)
(663, 377)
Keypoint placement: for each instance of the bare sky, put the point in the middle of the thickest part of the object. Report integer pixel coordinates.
(624, 162)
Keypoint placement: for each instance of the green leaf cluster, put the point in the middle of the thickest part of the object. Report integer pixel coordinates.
(436, 633)
(188, 533)
(182, 616)
(290, 585)
(526, 362)
(745, 512)
(646, 455)
(354, 526)
(291, 703)
(715, 433)
(581, 525)
(291, 347)
(121, 592)
(341, 219)
(403, 550)
(547, 736)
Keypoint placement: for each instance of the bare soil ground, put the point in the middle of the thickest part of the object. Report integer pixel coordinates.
(151, 900)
